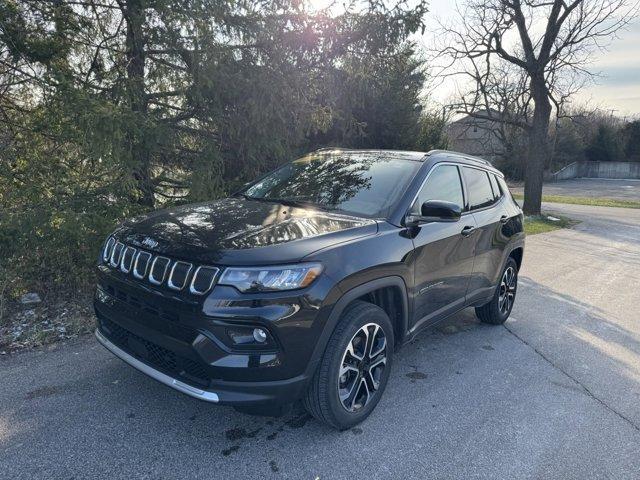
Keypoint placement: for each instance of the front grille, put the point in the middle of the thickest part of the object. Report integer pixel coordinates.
(159, 357)
(142, 304)
(159, 270)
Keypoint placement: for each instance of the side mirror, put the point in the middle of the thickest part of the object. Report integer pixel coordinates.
(435, 211)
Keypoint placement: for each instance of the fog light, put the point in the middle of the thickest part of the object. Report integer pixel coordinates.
(259, 335)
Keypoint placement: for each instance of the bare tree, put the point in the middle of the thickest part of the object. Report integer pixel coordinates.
(526, 58)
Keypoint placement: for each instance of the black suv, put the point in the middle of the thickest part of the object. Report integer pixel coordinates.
(304, 284)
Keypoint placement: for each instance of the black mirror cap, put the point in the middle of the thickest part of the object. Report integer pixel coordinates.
(440, 211)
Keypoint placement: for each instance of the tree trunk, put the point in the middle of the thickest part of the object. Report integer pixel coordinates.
(135, 18)
(538, 148)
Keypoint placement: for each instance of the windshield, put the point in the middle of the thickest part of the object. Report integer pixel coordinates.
(361, 183)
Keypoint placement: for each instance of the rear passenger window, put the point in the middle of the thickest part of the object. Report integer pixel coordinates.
(494, 185)
(505, 189)
(443, 184)
(479, 188)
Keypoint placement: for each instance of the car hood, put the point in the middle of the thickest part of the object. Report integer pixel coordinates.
(240, 231)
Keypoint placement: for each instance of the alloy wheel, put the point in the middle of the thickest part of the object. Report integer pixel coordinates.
(507, 293)
(362, 366)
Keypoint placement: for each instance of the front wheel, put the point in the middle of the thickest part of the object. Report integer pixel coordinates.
(499, 308)
(354, 369)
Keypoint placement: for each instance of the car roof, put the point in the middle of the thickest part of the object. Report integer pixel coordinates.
(418, 156)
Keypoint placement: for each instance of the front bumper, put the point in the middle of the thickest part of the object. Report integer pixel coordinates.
(157, 374)
(188, 375)
(178, 344)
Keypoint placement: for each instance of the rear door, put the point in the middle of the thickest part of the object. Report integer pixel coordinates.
(487, 207)
(443, 255)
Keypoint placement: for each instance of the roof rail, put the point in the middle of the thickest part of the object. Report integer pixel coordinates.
(326, 149)
(463, 155)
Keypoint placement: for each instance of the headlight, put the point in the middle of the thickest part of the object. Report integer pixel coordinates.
(265, 279)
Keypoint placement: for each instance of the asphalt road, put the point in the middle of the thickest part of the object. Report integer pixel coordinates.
(592, 187)
(555, 393)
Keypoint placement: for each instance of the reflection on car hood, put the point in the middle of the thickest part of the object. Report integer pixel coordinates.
(236, 230)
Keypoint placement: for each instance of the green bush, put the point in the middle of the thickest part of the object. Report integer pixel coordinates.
(97, 127)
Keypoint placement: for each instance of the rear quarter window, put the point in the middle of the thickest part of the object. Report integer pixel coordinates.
(494, 185)
(505, 189)
(479, 188)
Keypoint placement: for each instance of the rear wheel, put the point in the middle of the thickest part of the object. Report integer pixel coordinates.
(354, 369)
(499, 308)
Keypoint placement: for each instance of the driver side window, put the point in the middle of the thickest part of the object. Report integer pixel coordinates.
(442, 184)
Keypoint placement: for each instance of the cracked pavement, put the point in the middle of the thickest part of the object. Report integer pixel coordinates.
(555, 393)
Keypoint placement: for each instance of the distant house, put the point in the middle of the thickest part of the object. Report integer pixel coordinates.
(476, 136)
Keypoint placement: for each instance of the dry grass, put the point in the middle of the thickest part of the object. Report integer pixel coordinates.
(592, 201)
(543, 223)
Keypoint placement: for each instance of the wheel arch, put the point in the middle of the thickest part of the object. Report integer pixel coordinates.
(517, 254)
(377, 290)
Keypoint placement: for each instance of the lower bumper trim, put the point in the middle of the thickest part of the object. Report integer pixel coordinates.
(156, 374)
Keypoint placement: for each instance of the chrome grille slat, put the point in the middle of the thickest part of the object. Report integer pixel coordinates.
(108, 248)
(126, 264)
(153, 278)
(116, 254)
(136, 265)
(213, 271)
(170, 282)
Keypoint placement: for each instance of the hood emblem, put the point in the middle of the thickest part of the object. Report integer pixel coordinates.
(149, 242)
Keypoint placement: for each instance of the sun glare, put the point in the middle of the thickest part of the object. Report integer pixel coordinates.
(317, 5)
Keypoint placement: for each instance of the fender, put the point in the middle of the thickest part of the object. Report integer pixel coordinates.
(479, 298)
(507, 253)
(343, 303)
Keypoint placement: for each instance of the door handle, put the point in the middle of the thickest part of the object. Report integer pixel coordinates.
(504, 219)
(468, 230)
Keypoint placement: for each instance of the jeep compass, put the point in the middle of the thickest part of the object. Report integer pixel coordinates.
(303, 285)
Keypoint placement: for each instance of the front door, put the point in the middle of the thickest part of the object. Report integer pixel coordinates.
(444, 252)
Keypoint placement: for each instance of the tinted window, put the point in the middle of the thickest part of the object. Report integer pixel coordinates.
(494, 185)
(362, 183)
(505, 189)
(443, 184)
(478, 187)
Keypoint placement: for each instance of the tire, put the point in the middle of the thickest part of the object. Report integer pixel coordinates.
(496, 311)
(330, 397)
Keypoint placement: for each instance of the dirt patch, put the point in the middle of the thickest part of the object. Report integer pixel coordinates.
(28, 326)
(298, 421)
(44, 392)
(416, 376)
(235, 434)
(228, 451)
(461, 325)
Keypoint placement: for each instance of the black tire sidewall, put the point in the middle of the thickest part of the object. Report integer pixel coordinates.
(503, 316)
(343, 418)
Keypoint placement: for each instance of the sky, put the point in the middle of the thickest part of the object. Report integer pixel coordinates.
(617, 88)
